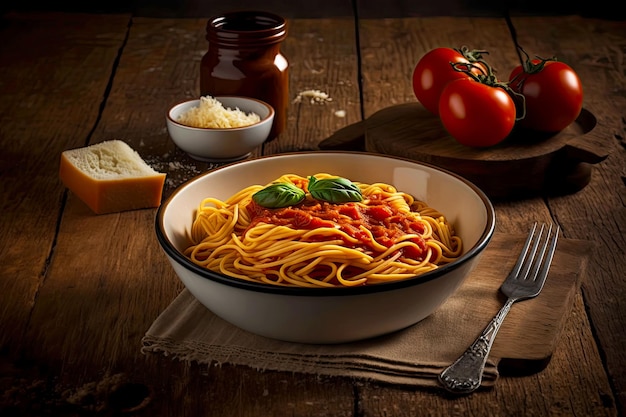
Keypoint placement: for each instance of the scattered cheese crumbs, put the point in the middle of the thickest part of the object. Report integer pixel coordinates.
(340, 113)
(212, 114)
(314, 96)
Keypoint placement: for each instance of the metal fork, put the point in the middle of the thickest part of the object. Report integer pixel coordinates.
(525, 281)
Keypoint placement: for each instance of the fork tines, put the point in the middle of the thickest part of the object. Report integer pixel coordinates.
(542, 260)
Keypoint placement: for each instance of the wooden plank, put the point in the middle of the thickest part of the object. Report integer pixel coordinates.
(330, 8)
(159, 68)
(523, 164)
(291, 10)
(322, 56)
(594, 48)
(545, 393)
(54, 72)
(387, 69)
(109, 278)
(79, 351)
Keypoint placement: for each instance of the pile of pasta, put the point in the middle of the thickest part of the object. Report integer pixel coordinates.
(237, 238)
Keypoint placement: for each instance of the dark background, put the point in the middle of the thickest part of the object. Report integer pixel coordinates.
(329, 8)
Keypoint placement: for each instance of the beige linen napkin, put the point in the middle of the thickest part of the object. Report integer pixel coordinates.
(188, 331)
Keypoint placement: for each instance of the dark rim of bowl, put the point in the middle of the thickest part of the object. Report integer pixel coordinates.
(181, 259)
(223, 129)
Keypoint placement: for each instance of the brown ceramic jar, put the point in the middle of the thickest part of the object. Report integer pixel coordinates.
(244, 59)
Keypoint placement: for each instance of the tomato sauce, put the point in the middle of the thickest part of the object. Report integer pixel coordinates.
(386, 224)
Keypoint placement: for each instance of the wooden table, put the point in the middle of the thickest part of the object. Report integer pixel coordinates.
(78, 291)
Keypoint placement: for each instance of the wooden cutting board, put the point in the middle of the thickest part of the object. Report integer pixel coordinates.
(526, 163)
(530, 333)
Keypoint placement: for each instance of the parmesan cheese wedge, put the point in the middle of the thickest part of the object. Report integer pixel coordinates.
(111, 177)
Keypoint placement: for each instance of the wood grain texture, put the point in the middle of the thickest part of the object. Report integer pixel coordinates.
(78, 291)
(526, 163)
(594, 48)
(90, 315)
(389, 85)
(319, 62)
(50, 92)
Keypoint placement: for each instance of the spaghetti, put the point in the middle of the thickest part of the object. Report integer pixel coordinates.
(386, 236)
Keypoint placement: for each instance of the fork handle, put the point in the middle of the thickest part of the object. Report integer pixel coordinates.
(466, 373)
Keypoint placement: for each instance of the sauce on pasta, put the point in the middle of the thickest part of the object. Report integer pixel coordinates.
(387, 236)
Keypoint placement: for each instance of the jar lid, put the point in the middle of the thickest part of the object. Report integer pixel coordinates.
(246, 28)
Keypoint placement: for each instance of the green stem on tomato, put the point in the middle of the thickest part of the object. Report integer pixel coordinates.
(472, 55)
(488, 77)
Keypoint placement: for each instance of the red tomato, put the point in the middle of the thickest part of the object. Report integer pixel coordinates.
(476, 114)
(554, 95)
(433, 72)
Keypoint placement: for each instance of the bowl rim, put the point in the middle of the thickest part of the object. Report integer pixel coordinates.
(266, 119)
(205, 273)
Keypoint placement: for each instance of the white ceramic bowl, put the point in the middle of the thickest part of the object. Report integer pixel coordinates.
(221, 145)
(328, 315)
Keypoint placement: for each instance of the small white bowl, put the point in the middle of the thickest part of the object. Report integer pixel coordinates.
(221, 145)
(328, 315)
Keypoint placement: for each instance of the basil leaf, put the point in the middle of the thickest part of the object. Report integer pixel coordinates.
(279, 195)
(334, 190)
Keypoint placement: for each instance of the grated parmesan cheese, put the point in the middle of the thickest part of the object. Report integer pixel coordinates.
(314, 96)
(212, 114)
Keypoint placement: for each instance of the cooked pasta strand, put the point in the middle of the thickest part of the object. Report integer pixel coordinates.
(385, 237)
